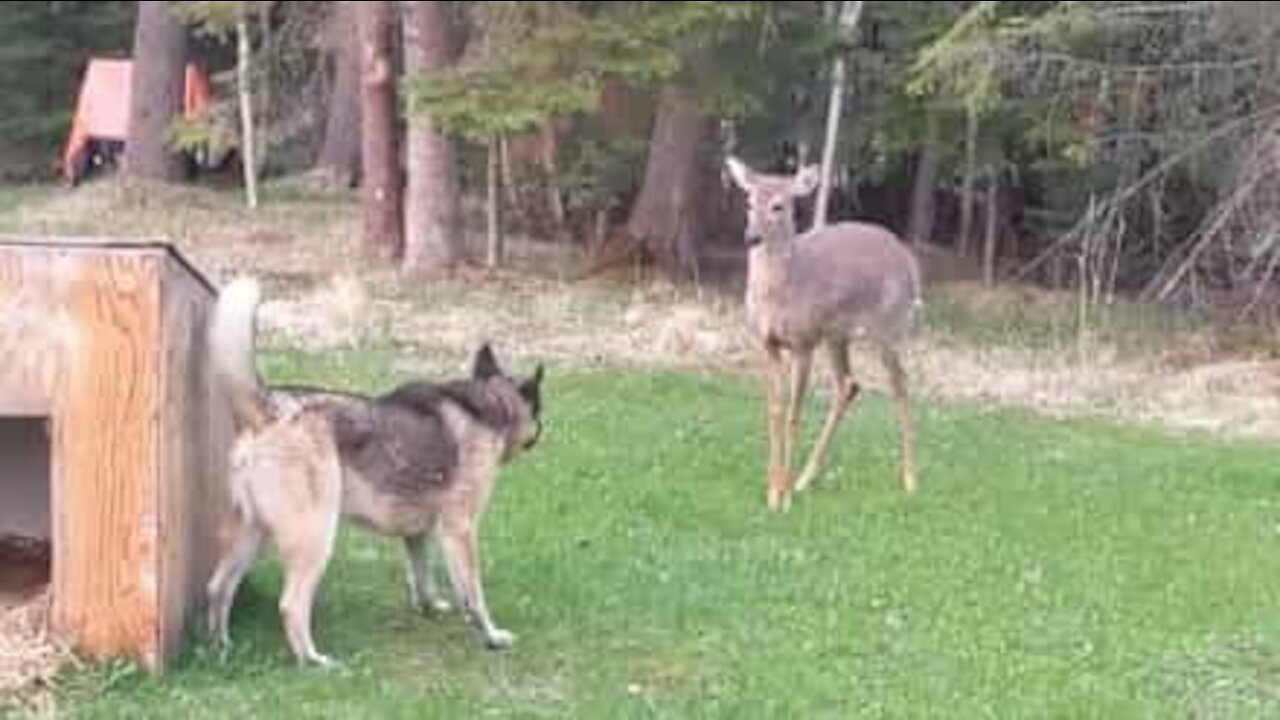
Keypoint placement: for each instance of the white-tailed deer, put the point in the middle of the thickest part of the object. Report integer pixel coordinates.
(832, 286)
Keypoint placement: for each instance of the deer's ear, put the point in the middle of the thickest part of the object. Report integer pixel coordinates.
(741, 174)
(805, 181)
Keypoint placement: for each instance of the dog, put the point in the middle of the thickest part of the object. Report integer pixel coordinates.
(417, 463)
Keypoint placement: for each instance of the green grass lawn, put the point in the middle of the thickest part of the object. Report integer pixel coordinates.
(1046, 569)
(13, 197)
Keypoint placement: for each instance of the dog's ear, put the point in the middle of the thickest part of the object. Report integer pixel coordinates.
(532, 383)
(485, 365)
(531, 390)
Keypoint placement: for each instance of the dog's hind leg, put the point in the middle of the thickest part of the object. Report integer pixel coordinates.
(305, 549)
(458, 540)
(225, 581)
(305, 564)
(424, 594)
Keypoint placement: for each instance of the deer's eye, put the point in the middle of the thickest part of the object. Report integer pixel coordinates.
(776, 208)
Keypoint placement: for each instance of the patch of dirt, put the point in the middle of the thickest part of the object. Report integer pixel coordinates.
(322, 293)
(1007, 299)
(29, 657)
(1228, 678)
(580, 324)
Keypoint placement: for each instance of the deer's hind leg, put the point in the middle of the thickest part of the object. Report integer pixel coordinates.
(843, 393)
(902, 407)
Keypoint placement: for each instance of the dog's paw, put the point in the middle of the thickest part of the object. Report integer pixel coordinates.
(219, 650)
(323, 662)
(432, 606)
(220, 644)
(499, 639)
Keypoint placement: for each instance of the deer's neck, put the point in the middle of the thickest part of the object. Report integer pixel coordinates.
(768, 272)
(768, 262)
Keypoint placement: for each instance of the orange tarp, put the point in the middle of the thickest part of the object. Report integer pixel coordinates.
(102, 109)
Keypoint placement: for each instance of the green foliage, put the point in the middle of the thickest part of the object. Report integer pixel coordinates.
(971, 66)
(559, 69)
(479, 105)
(599, 167)
(212, 18)
(44, 47)
(205, 135)
(963, 63)
(781, 91)
(756, 72)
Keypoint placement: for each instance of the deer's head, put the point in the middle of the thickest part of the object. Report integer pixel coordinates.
(771, 200)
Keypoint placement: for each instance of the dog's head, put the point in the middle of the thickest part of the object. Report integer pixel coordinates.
(522, 395)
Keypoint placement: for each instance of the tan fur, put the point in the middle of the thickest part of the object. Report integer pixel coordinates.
(452, 515)
(832, 286)
(419, 464)
(286, 486)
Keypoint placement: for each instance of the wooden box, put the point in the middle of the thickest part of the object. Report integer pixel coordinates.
(116, 445)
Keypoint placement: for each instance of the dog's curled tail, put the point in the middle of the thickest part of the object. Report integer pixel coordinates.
(232, 347)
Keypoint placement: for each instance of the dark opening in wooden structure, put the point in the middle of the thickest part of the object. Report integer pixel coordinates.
(24, 509)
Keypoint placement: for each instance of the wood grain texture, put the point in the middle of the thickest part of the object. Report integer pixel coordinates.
(35, 329)
(108, 342)
(106, 514)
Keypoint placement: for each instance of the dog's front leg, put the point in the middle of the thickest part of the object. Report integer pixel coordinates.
(424, 595)
(458, 540)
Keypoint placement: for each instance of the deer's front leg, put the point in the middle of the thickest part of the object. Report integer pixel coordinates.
(801, 364)
(779, 479)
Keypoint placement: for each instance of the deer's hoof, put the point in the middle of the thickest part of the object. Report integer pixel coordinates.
(779, 495)
(779, 502)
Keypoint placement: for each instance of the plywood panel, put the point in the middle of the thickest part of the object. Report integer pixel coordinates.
(107, 340)
(106, 456)
(35, 328)
(197, 429)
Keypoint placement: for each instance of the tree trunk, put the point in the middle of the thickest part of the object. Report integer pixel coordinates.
(508, 177)
(266, 68)
(667, 216)
(248, 141)
(923, 194)
(340, 153)
(966, 186)
(993, 227)
(433, 217)
(550, 158)
(493, 254)
(381, 194)
(850, 13)
(157, 85)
